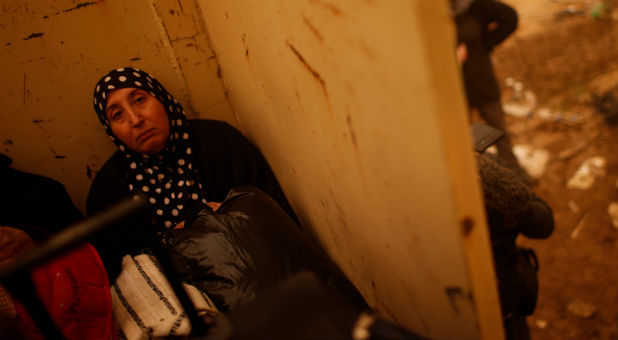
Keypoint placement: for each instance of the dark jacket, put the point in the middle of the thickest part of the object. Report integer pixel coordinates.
(482, 27)
(38, 205)
(224, 158)
(512, 209)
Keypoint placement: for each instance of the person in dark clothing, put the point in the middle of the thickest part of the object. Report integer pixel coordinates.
(180, 165)
(481, 26)
(512, 209)
(70, 288)
(36, 204)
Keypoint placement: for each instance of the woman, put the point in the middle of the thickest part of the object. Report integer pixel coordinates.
(179, 165)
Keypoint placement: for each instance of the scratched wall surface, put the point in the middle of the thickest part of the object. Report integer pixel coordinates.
(53, 52)
(358, 107)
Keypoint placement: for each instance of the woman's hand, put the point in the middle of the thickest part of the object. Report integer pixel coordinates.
(214, 205)
(461, 53)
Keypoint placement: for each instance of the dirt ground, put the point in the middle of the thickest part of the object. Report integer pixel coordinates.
(565, 53)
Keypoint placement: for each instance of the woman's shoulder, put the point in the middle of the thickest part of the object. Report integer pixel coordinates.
(108, 185)
(112, 167)
(216, 127)
(216, 132)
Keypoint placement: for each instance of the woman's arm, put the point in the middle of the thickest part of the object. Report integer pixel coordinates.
(537, 221)
(109, 187)
(498, 21)
(226, 159)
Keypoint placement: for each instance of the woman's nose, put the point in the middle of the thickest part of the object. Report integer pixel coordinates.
(135, 117)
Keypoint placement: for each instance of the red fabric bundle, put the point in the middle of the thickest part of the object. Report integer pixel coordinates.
(75, 290)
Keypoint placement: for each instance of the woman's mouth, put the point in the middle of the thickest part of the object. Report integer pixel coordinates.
(142, 137)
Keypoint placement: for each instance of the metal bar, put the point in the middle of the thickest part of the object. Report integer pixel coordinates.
(74, 235)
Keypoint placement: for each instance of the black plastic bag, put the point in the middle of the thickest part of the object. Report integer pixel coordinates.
(301, 307)
(246, 247)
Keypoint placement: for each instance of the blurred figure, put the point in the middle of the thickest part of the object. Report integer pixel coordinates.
(70, 290)
(513, 209)
(481, 26)
(36, 204)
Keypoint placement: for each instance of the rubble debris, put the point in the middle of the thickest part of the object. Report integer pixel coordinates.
(588, 172)
(580, 146)
(603, 83)
(578, 228)
(570, 152)
(545, 113)
(569, 118)
(542, 324)
(520, 102)
(573, 206)
(522, 107)
(509, 81)
(531, 159)
(582, 309)
(612, 210)
(607, 105)
(569, 11)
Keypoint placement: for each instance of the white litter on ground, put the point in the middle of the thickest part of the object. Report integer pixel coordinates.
(573, 206)
(531, 159)
(542, 324)
(612, 210)
(588, 172)
(522, 106)
(582, 309)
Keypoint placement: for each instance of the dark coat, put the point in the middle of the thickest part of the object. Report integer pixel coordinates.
(512, 209)
(224, 159)
(482, 27)
(36, 204)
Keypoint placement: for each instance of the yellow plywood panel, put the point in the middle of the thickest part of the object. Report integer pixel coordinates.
(358, 108)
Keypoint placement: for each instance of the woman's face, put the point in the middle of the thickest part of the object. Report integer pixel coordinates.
(138, 119)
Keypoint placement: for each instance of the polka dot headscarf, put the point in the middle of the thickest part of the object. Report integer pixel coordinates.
(169, 179)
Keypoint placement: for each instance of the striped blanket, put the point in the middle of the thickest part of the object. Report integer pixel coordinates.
(145, 305)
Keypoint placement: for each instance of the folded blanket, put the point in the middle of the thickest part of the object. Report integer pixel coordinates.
(145, 305)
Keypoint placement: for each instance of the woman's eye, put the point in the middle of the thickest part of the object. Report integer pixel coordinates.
(116, 114)
(139, 99)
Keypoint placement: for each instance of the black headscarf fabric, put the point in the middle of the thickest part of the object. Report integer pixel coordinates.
(168, 179)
